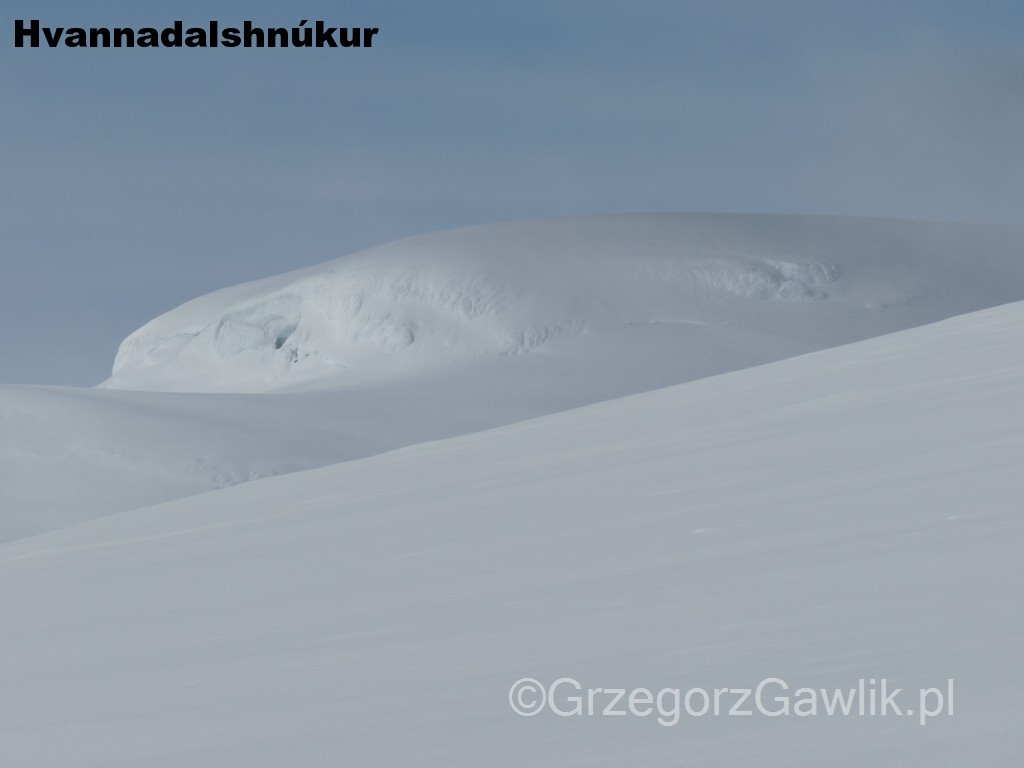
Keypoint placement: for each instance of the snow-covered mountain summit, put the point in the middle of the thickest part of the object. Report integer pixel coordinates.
(717, 292)
(455, 332)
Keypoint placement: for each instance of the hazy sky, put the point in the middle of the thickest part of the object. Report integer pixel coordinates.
(133, 180)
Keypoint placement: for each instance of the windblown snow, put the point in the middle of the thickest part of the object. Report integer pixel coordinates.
(853, 513)
(454, 332)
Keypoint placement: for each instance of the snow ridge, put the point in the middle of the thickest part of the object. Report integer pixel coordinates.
(510, 289)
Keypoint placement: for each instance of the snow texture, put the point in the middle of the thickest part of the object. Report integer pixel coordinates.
(849, 513)
(510, 289)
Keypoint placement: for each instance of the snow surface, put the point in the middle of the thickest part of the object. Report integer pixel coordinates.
(454, 332)
(510, 289)
(849, 513)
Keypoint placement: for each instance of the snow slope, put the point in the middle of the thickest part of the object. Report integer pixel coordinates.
(850, 513)
(70, 455)
(459, 331)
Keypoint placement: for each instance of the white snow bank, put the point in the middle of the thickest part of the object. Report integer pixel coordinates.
(854, 513)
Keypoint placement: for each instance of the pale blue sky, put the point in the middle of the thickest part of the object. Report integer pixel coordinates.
(133, 180)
